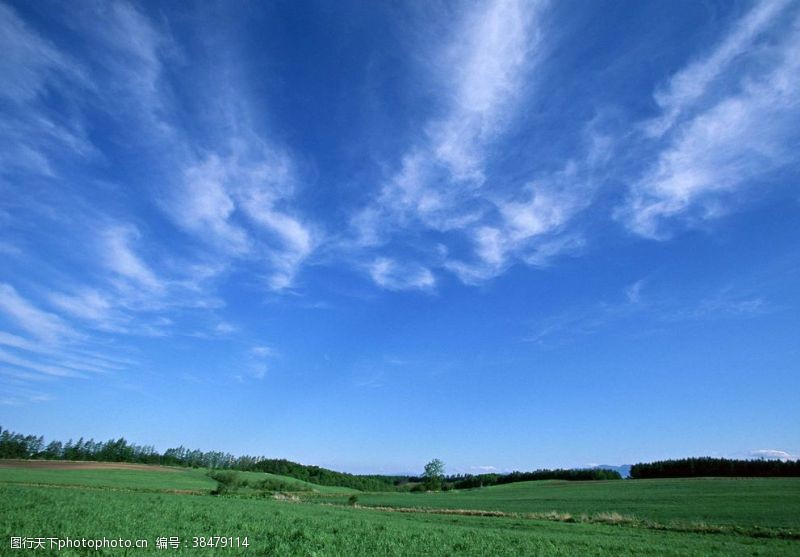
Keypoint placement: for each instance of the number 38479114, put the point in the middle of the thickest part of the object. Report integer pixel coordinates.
(220, 541)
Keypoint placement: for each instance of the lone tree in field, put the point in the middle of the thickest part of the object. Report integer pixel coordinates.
(434, 474)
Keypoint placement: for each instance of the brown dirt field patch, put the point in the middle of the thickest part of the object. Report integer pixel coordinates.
(82, 465)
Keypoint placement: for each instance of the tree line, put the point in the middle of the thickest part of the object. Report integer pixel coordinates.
(19, 446)
(483, 480)
(720, 467)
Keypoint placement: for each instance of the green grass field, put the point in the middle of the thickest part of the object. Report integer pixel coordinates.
(155, 478)
(179, 479)
(766, 502)
(97, 503)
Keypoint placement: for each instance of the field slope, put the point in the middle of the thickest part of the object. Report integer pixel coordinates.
(120, 475)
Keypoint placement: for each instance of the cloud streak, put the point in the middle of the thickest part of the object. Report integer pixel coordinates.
(119, 257)
(726, 126)
(42, 324)
(393, 275)
(444, 192)
(32, 137)
(689, 85)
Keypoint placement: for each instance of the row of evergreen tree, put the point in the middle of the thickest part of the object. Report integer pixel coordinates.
(483, 480)
(719, 467)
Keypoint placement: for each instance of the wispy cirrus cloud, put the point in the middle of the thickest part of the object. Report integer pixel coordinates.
(687, 87)
(444, 193)
(90, 358)
(139, 288)
(482, 71)
(87, 303)
(257, 361)
(393, 275)
(644, 302)
(120, 258)
(487, 66)
(204, 206)
(726, 122)
(42, 324)
(52, 348)
(231, 190)
(234, 204)
(26, 364)
(33, 137)
(16, 395)
(29, 60)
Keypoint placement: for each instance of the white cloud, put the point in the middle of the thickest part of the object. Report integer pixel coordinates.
(233, 204)
(119, 256)
(566, 326)
(689, 85)
(44, 325)
(102, 310)
(225, 328)
(727, 303)
(47, 369)
(31, 137)
(393, 275)
(29, 61)
(257, 361)
(18, 396)
(730, 143)
(229, 188)
(634, 292)
(58, 350)
(287, 240)
(483, 469)
(89, 304)
(487, 64)
(442, 186)
(772, 454)
(128, 53)
(261, 351)
(237, 202)
(7, 339)
(131, 34)
(204, 206)
(483, 72)
(530, 228)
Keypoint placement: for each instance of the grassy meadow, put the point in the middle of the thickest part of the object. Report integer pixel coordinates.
(157, 478)
(764, 502)
(739, 516)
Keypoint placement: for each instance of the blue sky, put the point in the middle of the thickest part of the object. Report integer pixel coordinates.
(505, 234)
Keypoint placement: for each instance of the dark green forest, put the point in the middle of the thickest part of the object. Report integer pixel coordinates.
(483, 480)
(718, 467)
